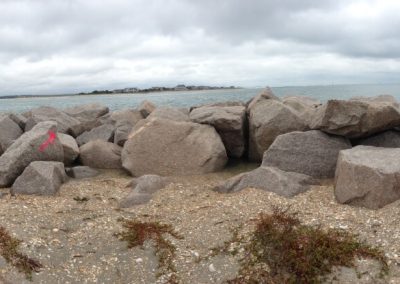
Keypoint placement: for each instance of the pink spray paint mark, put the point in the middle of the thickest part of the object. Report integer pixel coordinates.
(50, 140)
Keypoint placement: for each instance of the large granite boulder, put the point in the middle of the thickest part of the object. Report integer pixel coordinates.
(71, 149)
(18, 119)
(167, 147)
(304, 106)
(312, 153)
(171, 113)
(368, 176)
(270, 179)
(101, 154)
(87, 113)
(380, 98)
(65, 123)
(387, 139)
(40, 178)
(79, 172)
(230, 123)
(9, 132)
(104, 132)
(142, 190)
(145, 108)
(26, 149)
(265, 94)
(356, 118)
(131, 115)
(122, 130)
(124, 120)
(268, 119)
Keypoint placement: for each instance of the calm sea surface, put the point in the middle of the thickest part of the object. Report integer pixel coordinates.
(186, 99)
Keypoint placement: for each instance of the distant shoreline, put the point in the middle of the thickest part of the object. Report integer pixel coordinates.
(179, 88)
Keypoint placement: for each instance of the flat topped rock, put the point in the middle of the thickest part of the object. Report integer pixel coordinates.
(40, 178)
(368, 176)
(356, 118)
(271, 179)
(229, 121)
(312, 153)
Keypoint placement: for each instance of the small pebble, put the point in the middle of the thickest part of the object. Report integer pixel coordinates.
(211, 268)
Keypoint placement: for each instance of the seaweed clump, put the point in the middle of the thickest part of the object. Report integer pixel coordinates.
(9, 250)
(136, 233)
(282, 250)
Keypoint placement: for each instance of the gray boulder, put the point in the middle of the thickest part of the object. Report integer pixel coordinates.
(88, 112)
(18, 119)
(265, 94)
(268, 119)
(146, 108)
(65, 123)
(368, 176)
(40, 178)
(380, 98)
(269, 179)
(171, 113)
(81, 172)
(142, 190)
(387, 139)
(312, 153)
(100, 154)
(9, 132)
(122, 130)
(104, 132)
(356, 119)
(230, 123)
(88, 115)
(26, 149)
(70, 147)
(131, 115)
(304, 106)
(166, 147)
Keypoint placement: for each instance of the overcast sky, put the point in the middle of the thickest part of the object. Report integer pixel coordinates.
(64, 46)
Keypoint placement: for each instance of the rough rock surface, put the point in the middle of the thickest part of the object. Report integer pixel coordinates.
(368, 176)
(100, 154)
(145, 108)
(176, 148)
(88, 112)
(130, 115)
(81, 172)
(104, 132)
(19, 119)
(266, 94)
(269, 118)
(142, 190)
(304, 106)
(387, 139)
(312, 153)
(270, 179)
(230, 123)
(65, 123)
(26, 150)
(355, 118)
(9, 132)
(70, 147)
(40, 178)
(171, 113)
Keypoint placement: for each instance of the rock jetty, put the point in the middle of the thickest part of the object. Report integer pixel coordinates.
(298, 142)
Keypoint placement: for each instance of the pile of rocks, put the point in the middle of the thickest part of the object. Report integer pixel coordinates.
(297, 140)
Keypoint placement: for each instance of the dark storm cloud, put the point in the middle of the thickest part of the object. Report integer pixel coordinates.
(51, 44)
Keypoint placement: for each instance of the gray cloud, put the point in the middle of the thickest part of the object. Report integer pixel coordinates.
(74, 45)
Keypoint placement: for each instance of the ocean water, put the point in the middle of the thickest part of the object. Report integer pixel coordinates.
(186, 99)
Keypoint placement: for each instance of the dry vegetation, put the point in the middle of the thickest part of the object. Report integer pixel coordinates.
(282, 250)
(9, 250)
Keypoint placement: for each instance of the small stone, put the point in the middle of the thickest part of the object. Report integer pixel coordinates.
(212, 268)
(55, 230)
(139, 260)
